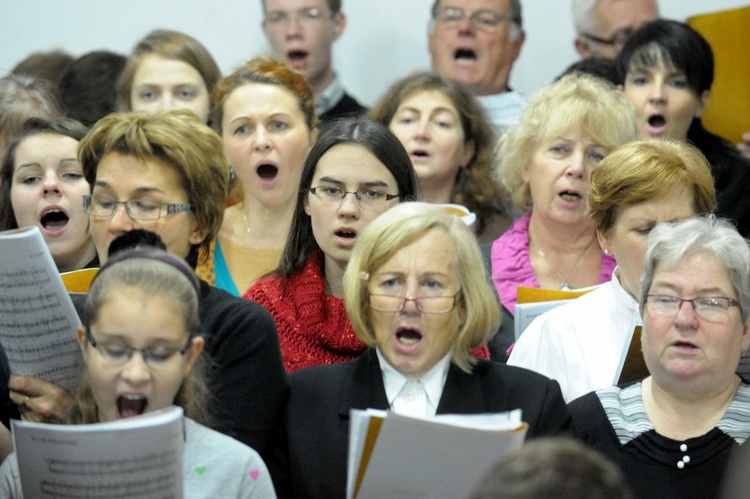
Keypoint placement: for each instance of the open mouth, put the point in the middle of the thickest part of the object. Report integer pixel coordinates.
(130, 404)
(465, 54)
(657, 121)
(54, 220)
(346, 234)
(408, 337)
(267, 172)
(420, 153)
(570, 196)
(296, 55)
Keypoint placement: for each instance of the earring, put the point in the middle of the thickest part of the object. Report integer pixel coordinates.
(606, 251)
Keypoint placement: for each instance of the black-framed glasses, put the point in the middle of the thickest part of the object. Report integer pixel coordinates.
(424, 304)
(331, 195)
(618, 39)
(305, 16)
(118, 354)
(97, 205)
(709, 308)
(485, 20)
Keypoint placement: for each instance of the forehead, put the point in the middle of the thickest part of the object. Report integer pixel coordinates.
(123, 172)
(696, 271)
(261, 98)
(432, 252)
(154, 67)
(474, 5)
(294, 5)
(352, 163)
(428, 99)
(42, 144)
(613, 15)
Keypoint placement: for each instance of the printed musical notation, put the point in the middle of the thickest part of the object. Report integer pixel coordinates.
(37, 317)
(77, 461)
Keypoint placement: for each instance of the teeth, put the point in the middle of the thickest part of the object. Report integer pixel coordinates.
(568, 196)
(408, 341)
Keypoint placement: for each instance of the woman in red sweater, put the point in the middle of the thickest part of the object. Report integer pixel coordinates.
(356, 170)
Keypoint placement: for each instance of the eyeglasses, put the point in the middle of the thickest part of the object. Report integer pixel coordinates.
(366, 197)
(137, 209)
(617, 40)
(424, 304)
(118, 354)
(305, 16)
(710, 308)
(485, 20)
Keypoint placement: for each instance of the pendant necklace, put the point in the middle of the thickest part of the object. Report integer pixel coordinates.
(564, 284)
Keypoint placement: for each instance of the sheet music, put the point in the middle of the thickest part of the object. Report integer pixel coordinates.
(37, 318)
(139, 457)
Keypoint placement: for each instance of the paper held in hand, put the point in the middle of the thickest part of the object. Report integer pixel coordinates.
(37, 318)
(436, 457)
(138, 457)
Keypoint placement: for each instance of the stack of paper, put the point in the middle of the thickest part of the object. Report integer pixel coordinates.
(441, 456)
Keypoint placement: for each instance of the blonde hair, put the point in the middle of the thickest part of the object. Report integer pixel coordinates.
(400, 226)
(181, 139)
(578, 102)
(646, 169)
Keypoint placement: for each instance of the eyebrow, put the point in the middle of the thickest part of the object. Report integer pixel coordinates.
(139, 190)
(371, 183)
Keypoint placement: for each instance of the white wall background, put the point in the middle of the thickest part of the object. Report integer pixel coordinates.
(384, 39)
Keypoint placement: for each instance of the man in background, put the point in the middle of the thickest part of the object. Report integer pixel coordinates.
(603, 26)
(476, 42)
(302, 33)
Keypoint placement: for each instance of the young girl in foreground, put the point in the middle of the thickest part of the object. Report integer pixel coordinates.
(139, 366)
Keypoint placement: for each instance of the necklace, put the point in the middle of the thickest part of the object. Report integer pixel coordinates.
(247, 225)
(564, 284)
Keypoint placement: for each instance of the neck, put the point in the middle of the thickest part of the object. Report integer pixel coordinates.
(321, 83)
(434, 192)
(259, 226)
(77, 260)
(681, 412)
(558, 238)
(334, 276)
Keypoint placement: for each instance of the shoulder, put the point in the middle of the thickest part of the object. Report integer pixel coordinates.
(347, 106)
(329, 376)
(217, 307)
(211, 442)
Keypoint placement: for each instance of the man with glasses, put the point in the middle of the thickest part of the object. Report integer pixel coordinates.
(603, 26)
(302, 33)
(476, 42)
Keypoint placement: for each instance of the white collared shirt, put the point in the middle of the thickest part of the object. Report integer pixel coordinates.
(433, 382)
(331, 96)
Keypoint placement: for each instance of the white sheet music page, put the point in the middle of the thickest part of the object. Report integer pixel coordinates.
(139, 457)
(37, 318)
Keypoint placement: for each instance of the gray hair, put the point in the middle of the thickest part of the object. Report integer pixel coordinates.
(584, 18)
(671, 242)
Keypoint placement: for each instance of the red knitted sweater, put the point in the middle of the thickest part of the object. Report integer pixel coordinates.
(313, 327)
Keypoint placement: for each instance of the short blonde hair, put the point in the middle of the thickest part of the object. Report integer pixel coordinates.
(400, 226)
(181, 139)
(574, 102)
(643, 170)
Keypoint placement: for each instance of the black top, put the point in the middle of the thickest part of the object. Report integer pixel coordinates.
(345, 107)
(311, 451)
(247, 381)
(731, 174)
(614, 421)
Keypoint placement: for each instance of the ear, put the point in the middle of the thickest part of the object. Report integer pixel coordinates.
(525, 173)
(83, 342)
(603, 242)
(197, 235)
(469, 150)
(196, 347)
(745, 336)
(518, 43)
(703, 99)
(582, 47)
(306, 204)
(339, 23)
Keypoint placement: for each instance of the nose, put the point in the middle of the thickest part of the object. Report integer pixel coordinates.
(120, 222)
(349, 206)
(657, 93)
(576, 167)
(136, 371)
(51, 185)
(262, 142)
(293, 27)
(685, 316)
(423, 131)
(465, 24)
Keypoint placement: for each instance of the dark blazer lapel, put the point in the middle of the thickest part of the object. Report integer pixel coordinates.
(366, 390)
(462, 393)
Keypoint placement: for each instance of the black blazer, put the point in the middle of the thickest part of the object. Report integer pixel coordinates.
(311, 449)
(345, 107)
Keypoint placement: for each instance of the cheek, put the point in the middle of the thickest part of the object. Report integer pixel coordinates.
(22, 204)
